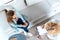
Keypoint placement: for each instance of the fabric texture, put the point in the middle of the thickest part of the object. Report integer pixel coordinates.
(18, 37)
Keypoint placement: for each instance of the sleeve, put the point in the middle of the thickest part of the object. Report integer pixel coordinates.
(15, 26)
(19, 15)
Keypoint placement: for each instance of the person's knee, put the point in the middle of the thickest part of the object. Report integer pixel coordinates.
(13, 39)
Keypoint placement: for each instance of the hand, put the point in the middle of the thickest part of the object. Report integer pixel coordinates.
(25, 24)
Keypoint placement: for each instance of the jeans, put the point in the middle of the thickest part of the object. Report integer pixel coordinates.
(18, 37)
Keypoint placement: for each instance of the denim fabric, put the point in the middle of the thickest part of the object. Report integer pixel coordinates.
(18, 37)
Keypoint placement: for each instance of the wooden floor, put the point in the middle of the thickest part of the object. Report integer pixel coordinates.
(33, 29)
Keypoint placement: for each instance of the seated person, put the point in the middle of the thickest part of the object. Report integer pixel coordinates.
(16, 21)
(51, 29)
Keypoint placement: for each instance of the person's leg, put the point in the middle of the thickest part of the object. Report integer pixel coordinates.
(26, 31)
(17, 37)
(13, 39)
(24, 28)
